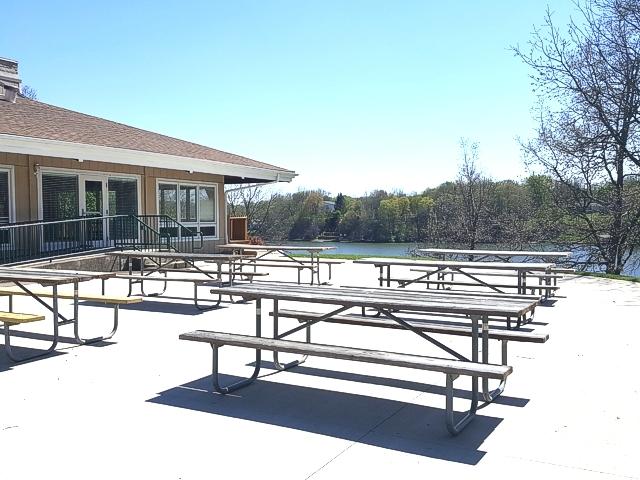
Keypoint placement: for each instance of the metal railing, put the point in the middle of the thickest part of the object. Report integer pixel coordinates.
(25, 241)
(180, 238)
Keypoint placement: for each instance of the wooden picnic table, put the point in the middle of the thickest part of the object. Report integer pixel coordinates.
(521, 270)
(164, 260)
(313, 251)
(387, 302)
(502, 255)
(22, 278)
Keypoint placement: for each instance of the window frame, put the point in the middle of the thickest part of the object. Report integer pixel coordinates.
(197, 225)
(80, 173)
(12, 190)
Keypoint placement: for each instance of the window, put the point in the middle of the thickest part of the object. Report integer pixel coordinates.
(123, 196)
(59, 197)
(5, 198)
(188, 212)
(191, 204)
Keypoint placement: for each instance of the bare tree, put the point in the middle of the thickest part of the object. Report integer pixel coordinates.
(253, 202)
(588, 84)
(473, 190)
(29, 92)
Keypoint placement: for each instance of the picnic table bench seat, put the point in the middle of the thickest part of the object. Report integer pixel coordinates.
(451, 368)
(503, 335)
(14, 318)
(475, 284)
(423, 325)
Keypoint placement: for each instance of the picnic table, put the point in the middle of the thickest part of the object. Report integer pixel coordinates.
(387, 303)
(284, 250)
(436, 267)
(164, 262)
(22, 278)
(502, 255)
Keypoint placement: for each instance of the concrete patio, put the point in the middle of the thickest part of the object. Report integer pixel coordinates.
(139, 406)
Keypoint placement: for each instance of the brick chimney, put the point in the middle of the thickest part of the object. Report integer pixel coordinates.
(9, 80)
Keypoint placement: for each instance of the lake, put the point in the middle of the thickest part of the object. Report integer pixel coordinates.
(404, 249)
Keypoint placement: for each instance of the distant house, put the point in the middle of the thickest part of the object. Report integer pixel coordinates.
(328, 206)
(58, 164)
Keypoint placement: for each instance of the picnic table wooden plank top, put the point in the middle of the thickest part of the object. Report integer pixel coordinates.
(43, 276)
(391, 299)
(455, 264)
(291, 248)
(506, 253)
(195, 256)
(76, 273)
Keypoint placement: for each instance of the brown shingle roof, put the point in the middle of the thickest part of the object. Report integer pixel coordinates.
(30, 118)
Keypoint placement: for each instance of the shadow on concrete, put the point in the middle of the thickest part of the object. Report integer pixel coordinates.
(391, 424)
(390, 382)
(7, 364)
(49, 338)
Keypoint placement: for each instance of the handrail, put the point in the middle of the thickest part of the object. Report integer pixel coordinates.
(184, 238)
(25, 241)
(56, 222)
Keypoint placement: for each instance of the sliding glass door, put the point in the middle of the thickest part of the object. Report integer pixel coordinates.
(68, 195)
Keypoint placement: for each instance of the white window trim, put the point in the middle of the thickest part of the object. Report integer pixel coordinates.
(12, 191)
(216, 222)
(86, 173)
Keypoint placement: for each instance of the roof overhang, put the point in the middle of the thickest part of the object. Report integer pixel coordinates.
(123, 156)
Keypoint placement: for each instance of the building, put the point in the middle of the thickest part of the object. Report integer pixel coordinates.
(57, 164)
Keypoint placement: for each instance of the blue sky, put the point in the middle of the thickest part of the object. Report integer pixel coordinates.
(352, 95)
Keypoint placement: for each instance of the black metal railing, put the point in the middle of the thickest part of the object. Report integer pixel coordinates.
(180, 237)
(26, 241)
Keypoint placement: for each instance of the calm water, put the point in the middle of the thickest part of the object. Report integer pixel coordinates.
(404, 249)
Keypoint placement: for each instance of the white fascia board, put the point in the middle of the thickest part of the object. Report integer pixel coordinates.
(123, 156)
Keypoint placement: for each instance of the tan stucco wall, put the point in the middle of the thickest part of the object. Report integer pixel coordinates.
(26, 184)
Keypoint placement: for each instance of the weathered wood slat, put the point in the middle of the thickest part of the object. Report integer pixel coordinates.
(475, 284)
(379, 299)
(497, 253)
(275, 248)
(323, 261)
(454, 293)
(455, 264)
(85, 274)
(12, 318)
(46, 277)
(431, 296)
(434, 364)
(426, 296)
(175, 255)
(422, 325)
(544, 276)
